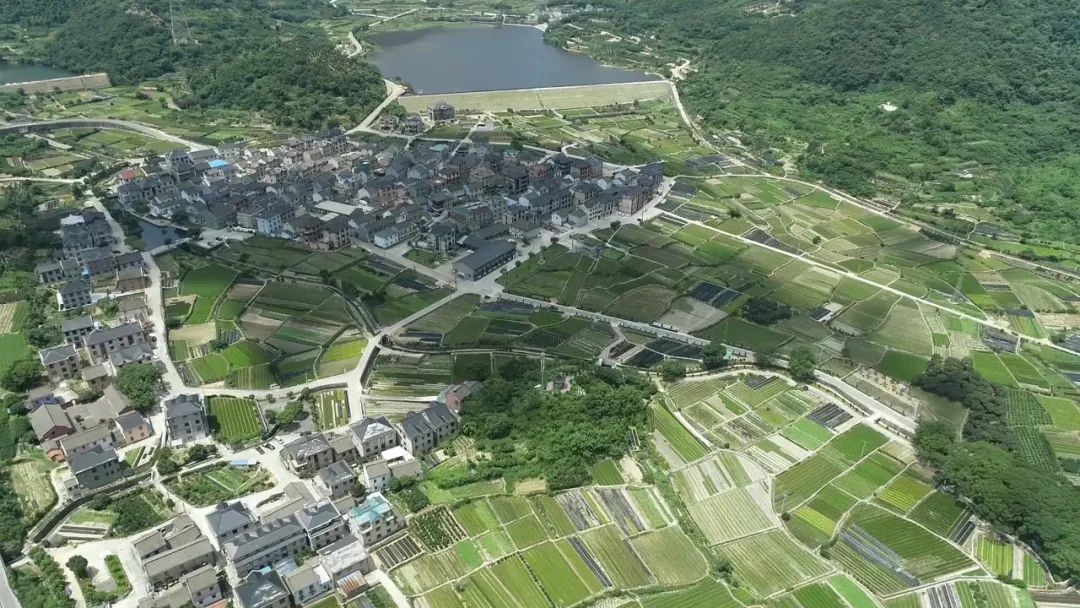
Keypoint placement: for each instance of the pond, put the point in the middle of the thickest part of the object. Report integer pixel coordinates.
(157, 236)
(25, 72)
(487, 58)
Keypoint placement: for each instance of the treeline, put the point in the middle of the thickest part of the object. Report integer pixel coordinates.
(249, 56)
(557, 436)
(992, 83)
(1039, 506)
(35, 12)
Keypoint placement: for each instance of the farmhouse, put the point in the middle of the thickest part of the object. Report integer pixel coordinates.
(185, 418)
(175, 550)
(375, 519)
(95, 467)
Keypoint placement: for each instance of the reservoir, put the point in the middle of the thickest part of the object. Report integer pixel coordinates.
(487, 58)
(23, 72)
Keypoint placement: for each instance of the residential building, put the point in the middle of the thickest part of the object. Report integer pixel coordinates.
(229, 520)
(373, 435)
(262, 590)
(375, 519)
(95, 468)
(413, 124)
(96, 377)
(174, 551)
(185, 419)
(50, 422)
(133, 427)
(395, 463)
(74, 329)
(392, 235)
(265, 545)
(308, 582)
(60, 362)
(139, 353)
(423, 431)
(347, 561)
(454, 395)
(73, 295)
(307, 455)
(337, 479)
(199, 589)
(441, 112)
(99, 436)
(132, 279)
(322, 523)
(101, 342)
(485, 260)
(344, 448)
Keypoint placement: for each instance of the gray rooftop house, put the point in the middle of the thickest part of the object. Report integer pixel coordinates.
(73, 294)
(308, 454)
(485, 260)
(423, 431)
(185, 419)
(266, 545)
(96, 467)
(229, 520)
(323, 524)
(199, 588)
(101, 342)
(337, 480)
(176, 551)
(262, 590)
(75, 329)
(373, 435)
(60, 362)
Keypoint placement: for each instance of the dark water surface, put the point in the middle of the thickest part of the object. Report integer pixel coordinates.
(487, 58)
(17, 72)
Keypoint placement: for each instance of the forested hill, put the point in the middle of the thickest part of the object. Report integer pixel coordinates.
(248, 55)
(990, 86)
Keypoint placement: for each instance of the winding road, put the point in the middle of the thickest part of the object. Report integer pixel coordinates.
(98, 123)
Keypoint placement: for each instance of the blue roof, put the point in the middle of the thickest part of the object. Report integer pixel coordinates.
(372, 509)
(217, 163)
(245, 462)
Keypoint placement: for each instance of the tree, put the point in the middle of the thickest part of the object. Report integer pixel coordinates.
(672, 370)
(802, 364)
(714, 356)
(141, 383)
(764, 311)
(289, 413)
(78, 564)
(22, 376)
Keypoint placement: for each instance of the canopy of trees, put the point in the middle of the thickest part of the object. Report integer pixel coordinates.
(992, 83)
(557, 436)
(249, 56)
(764, 311)
(1040, 506)
(141, 383)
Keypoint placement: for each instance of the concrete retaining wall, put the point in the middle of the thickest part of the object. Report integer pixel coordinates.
(86, 82)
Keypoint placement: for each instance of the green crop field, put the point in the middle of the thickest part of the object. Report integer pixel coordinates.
(207, 283)
(771, 562)
(234, 420)
(997, 556)
(332, 409)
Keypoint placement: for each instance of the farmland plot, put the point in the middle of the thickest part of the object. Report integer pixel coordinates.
(733, 514)
(771, 562)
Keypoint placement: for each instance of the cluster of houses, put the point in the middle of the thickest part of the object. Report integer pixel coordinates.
(86, 435)
(298, 546)
(327, 192)
(87, 261)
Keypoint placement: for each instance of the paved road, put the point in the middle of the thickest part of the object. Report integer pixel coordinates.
(393, 91)
(103, 123)
(7, 596)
